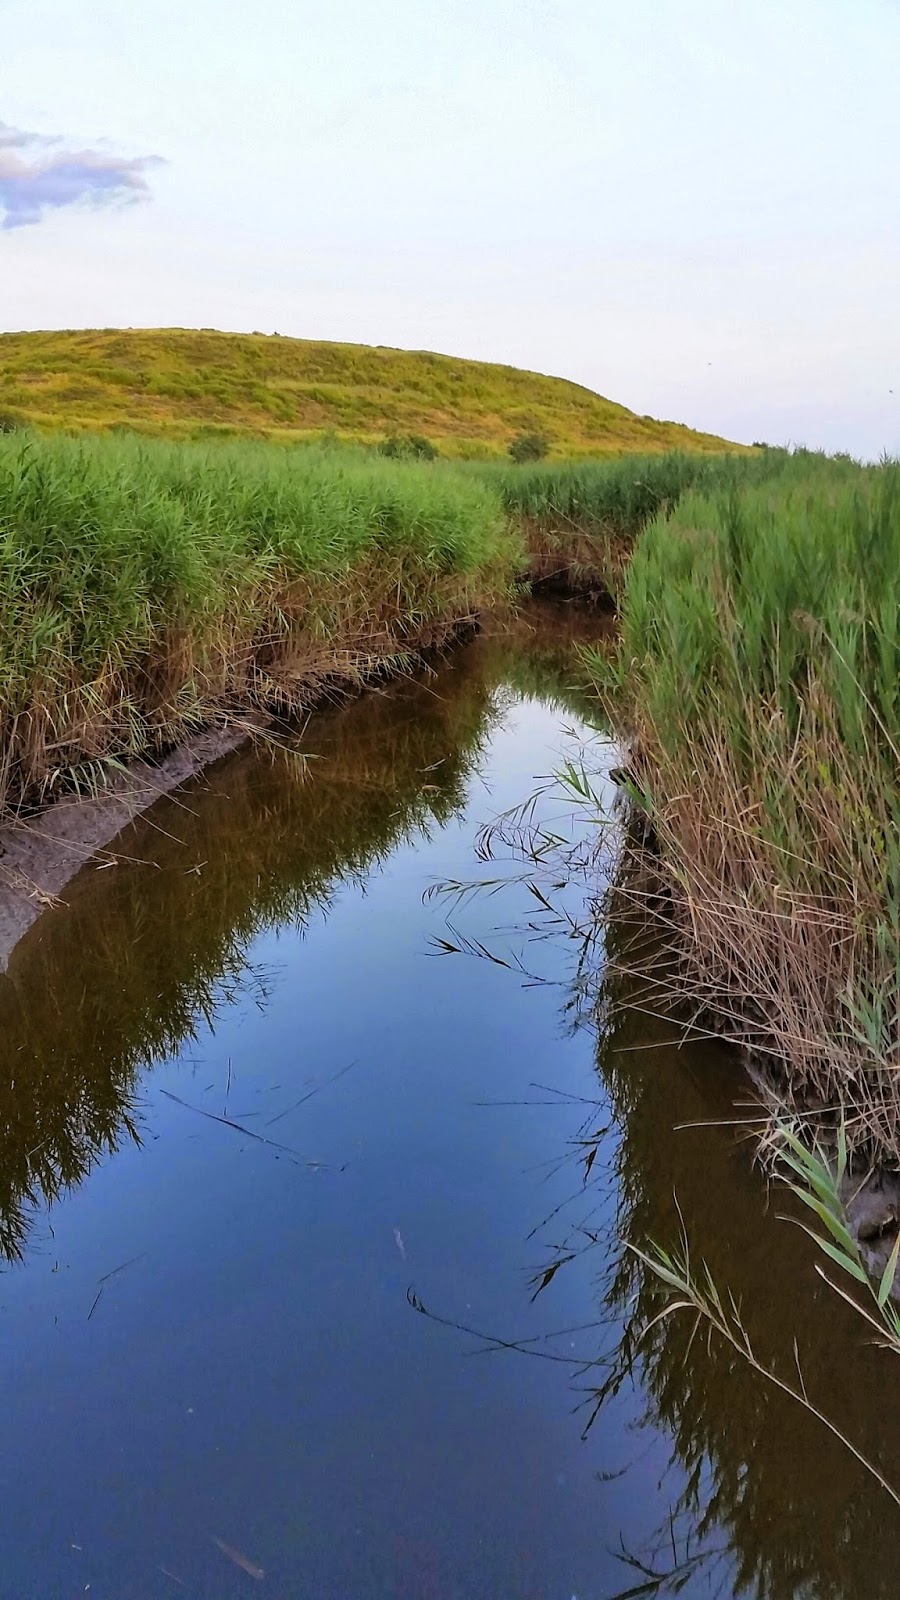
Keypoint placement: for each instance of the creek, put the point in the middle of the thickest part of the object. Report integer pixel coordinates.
(314, 1184)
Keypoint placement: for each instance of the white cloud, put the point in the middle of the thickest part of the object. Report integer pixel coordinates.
(36, 177)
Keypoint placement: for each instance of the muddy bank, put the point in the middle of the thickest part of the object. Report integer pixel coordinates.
(39, 858)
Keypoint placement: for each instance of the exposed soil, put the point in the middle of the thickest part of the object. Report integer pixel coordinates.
(39, 857)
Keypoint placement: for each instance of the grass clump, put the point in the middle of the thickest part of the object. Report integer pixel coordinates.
(148, 587)
(760, 665)
(407, 447)
(528, 447)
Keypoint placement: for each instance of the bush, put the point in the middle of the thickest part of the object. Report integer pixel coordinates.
(408, 447)
(529, 447)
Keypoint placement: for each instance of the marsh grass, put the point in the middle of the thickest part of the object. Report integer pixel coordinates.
(759, 681)
(148, 588)
(581, 518)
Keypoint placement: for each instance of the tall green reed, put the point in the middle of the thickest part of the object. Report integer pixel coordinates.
(582, 518)
(145, 585)
(758, 676)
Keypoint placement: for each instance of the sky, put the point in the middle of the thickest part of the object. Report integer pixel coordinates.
(690, 206)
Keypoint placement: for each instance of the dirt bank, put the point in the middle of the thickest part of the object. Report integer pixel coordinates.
(38, 858)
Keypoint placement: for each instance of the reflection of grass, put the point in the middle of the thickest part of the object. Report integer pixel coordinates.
(817, 1181)
(693, 1289)
(141, 958)
(765, 1461)
(766, 1497)
(538, 656)
(186, 383)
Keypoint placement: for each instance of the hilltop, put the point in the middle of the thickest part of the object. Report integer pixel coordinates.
(186, 383)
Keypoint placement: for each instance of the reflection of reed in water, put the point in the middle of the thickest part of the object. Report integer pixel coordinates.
(123, 975)
(142, 955)
(766, 1501)
(799, 1515)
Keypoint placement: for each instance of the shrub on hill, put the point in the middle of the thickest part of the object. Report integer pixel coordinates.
(408, 447)
(529, 447)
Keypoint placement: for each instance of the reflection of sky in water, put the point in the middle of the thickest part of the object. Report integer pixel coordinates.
(254, 1372)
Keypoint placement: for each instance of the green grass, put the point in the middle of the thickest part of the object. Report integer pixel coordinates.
(146, 587)
(185, 383)
(581, 518)
(760, 669)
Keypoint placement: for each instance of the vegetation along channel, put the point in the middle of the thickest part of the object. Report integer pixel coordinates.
(449, 1145)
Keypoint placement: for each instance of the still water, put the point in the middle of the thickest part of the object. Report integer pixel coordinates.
(312, 1227)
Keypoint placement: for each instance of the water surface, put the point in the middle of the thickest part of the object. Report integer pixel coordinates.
(251, 1117)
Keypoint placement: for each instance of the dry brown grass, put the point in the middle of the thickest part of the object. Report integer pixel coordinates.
(759, 681)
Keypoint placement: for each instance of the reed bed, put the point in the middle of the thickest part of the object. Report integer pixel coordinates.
(580, 519)
(759, 680)
(148, 588)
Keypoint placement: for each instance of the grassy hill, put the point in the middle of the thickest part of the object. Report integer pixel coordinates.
(193, 384)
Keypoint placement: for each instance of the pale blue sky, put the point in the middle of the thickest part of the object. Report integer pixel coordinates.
(693, 206)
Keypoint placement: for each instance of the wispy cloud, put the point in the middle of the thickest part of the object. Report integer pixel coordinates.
(37, 176)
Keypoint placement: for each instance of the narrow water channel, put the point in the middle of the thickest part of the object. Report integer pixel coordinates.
(314, 1281)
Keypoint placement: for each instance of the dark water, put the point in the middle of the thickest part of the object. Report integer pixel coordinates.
(206, 1330)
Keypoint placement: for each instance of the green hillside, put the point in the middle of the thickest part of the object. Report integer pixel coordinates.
(189, 384)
